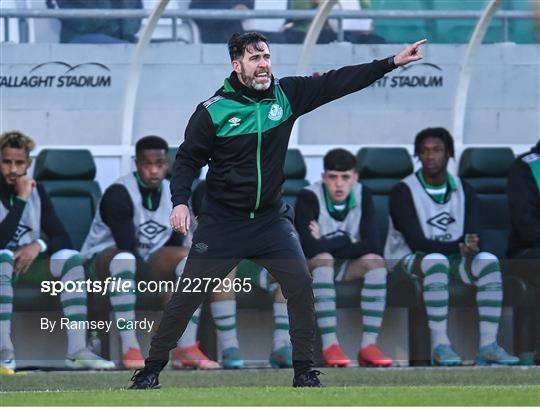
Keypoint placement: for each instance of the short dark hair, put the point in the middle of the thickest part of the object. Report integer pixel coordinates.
(239, 42)
(437, 132)
(340, 160)
(150, 142)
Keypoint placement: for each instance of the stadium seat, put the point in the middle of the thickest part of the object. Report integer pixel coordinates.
(295, 176)
(68, 177)
(380, 169)
(486, 170)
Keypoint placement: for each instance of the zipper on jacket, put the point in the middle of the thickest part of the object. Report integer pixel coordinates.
(259, 141)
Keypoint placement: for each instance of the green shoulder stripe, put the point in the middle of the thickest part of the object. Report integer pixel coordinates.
(233, 118)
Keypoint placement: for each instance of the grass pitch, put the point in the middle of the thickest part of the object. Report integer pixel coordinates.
(518, 386)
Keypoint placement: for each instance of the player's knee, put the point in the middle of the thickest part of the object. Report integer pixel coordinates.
(123, 261)
(321, 260)
(373, 261)
(485, 263)
(63, 261)
(6, 256)
(433, 259)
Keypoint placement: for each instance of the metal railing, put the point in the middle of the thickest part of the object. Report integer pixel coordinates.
(193, 14)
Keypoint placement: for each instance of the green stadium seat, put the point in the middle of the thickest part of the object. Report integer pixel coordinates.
(68, 178)
(401, 30)
(295, 176)
(486, 170)
(380, 169)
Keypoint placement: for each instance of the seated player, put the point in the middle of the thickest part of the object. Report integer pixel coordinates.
(434, 233)
(335, 219)
(27, 215)
(524, 240)
(131, 238)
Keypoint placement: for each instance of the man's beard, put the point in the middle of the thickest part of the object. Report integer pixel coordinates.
(251, 82)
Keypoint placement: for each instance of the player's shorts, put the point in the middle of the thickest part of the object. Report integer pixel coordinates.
(458, 267)
(142, 274)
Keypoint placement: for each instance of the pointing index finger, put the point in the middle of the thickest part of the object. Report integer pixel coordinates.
(420, 42)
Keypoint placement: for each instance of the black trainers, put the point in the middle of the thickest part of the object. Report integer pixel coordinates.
(308, 379)
(144, 379)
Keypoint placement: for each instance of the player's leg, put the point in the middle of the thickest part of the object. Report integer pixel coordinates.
(434, 271)
(486, 275)
(223, 307)
(117, 265)
(324, 291)
(7, 354)
(67, 265)
(281, 356)
(372, 268)
(168, 263)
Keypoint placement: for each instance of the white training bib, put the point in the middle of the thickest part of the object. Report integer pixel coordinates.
(439, 221)
(328, 225)
(152, 228)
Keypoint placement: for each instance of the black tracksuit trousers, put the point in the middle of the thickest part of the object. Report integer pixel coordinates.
(221, 240)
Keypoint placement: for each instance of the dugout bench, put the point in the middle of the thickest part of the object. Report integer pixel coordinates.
(68, 176)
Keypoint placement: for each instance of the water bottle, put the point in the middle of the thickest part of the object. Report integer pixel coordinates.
(94, 343)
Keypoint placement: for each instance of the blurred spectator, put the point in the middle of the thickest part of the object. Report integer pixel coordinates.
(296, 30)
(358, 30)
(219, 31)
(271, 28)
(98, 30)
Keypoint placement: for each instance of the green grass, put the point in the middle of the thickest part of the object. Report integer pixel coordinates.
(351, 386)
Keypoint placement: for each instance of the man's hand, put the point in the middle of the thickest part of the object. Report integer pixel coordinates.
(25, 256)
(471, 241)
(180, 219)
(24, 186)
(410, 53)
(470, 248)
(314, 229)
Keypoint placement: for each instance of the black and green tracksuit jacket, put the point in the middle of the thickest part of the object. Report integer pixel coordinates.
(242, 135)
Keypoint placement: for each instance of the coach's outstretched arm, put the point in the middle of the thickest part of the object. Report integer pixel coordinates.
(310, 92)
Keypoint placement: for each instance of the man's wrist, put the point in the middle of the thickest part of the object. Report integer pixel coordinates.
(392, 62)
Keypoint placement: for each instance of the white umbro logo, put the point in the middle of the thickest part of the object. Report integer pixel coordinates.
(234, 121)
